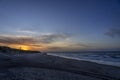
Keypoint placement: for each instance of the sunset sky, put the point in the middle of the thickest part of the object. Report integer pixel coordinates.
(60, 25)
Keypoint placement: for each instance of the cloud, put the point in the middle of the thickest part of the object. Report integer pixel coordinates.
(113, 32)
(16, 40)
(81, 45)
(69, 46)
(42, 39)
(26, 31)
(49, 38)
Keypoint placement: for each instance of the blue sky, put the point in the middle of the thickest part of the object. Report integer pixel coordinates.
(84, 24)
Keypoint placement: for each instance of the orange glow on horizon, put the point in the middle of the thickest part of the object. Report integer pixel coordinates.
(23, 47)
(27, 47)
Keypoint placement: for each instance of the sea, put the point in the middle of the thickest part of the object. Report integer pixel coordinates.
(101, 57)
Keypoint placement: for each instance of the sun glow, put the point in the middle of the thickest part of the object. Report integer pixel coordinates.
(23, 47)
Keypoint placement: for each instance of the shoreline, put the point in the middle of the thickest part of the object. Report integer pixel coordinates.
(99, 61)
(91, 60)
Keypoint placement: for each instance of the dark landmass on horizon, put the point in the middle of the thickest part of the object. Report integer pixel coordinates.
(6, 49)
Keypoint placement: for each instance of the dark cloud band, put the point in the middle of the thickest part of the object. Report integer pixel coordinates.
(33, 40)
(113, 32)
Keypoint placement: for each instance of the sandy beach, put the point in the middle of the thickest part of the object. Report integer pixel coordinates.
(50, 63)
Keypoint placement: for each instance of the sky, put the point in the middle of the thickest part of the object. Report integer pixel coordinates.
(60, 25)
